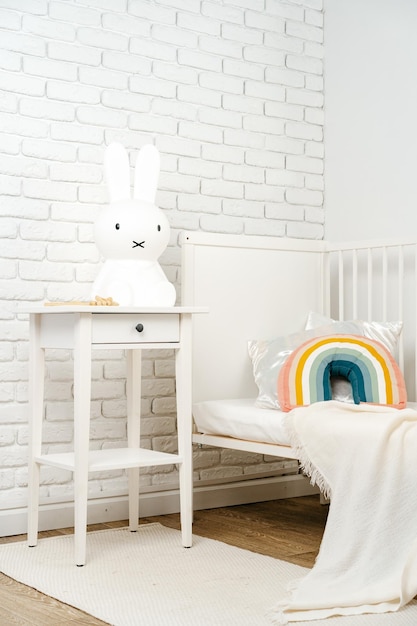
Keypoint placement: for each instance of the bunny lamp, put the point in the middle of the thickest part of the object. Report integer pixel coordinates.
(132, 233)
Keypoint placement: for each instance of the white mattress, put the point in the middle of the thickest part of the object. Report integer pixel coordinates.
(240, 419)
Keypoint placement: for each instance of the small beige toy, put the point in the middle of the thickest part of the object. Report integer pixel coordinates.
(98, 301)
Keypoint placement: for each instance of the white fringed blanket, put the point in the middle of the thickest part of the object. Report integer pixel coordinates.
(365, 458)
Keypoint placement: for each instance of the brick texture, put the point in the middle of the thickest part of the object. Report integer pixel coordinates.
(230, 92)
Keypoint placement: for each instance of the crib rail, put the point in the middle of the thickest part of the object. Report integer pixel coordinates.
(376, 281)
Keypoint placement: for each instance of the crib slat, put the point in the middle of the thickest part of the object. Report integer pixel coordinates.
(370, 284)
(355, 283)
(415, 317)
(400, 278)
(326, 283)
(341, 286)
(384, 283)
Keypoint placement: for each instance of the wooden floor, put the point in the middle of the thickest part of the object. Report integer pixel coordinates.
(290, 530)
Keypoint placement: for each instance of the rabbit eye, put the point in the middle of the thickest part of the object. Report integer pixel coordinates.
(159, 227)
(117, 227)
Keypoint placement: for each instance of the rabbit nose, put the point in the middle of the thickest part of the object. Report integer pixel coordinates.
(136, 244)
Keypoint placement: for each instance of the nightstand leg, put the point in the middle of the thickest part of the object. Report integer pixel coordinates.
(36, 408)
(184, 426)
(133, 394)
(82, 407)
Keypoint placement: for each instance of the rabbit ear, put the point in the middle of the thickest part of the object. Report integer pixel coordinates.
(146, 174)
(116, 167)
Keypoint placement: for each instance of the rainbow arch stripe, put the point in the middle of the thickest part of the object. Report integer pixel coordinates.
(374, 375)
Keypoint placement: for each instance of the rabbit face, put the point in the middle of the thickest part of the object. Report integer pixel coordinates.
(132, 230)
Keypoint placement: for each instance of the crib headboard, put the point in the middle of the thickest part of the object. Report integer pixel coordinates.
(264, 287)
(255, 287)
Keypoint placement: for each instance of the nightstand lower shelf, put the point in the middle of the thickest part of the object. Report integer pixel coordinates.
(111, 459)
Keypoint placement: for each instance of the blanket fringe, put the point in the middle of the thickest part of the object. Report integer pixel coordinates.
(277, 613)
(277, 617)
(316, 478)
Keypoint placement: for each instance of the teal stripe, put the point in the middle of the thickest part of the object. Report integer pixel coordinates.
(319, 380)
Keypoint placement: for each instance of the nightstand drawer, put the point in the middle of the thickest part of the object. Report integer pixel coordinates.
(135, 328)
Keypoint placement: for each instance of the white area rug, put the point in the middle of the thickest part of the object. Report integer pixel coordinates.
(148, 579)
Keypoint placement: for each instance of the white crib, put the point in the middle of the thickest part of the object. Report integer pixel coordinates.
(264, 287)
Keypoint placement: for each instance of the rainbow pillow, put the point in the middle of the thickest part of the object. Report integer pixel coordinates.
(369, 367)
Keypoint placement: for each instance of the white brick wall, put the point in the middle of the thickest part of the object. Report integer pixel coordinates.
(231, 92)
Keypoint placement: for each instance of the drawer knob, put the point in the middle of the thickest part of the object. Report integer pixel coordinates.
(139, 327)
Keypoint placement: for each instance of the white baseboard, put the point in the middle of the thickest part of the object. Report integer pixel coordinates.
(100, 510)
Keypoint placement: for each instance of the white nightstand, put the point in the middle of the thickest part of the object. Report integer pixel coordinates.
(83, 328)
